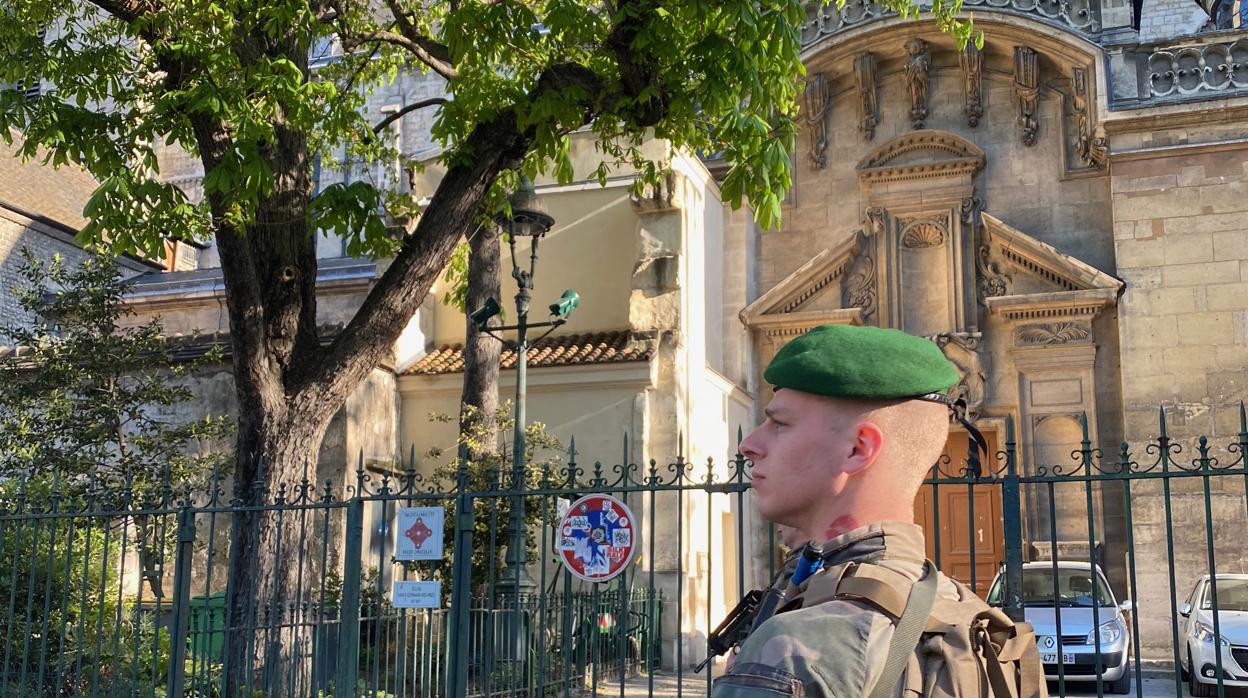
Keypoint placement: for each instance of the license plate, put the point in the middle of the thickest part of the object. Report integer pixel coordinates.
(1051, 658)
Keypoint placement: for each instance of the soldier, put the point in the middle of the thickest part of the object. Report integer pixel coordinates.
(859, 416)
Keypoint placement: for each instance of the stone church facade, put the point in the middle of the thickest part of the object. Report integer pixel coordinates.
(1064, 211)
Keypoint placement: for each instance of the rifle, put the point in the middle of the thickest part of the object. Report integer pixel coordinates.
(755, 608)
(733, 629)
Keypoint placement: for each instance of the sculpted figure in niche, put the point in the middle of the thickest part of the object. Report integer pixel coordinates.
(918, 67)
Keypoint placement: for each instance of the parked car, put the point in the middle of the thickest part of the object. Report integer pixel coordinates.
(1076, 647)
(1198, 661)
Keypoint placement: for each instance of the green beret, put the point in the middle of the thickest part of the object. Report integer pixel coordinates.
(862, 363)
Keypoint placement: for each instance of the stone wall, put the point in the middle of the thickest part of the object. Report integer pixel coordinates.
(1181, 232)
(45, 241)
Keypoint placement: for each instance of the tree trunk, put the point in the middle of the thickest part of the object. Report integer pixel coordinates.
(271, 580)
(289, 388)
(478, 414)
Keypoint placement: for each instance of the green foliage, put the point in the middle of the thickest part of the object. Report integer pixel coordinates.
(62, 614)
(456, 276)
(91, 400)
(88, 415)
(708, 76)
(492, 473)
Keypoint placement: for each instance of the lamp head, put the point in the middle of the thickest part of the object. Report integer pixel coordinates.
(568, 302)
(481, 316)
(529, 216)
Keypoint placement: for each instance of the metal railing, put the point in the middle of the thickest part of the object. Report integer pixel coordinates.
(137, 593)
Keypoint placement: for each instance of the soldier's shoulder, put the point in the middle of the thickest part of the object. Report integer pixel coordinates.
(823, 647)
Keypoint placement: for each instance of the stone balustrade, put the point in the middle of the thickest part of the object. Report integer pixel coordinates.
(1191, 70)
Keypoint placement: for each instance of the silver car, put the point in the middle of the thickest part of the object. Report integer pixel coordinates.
(1198, 634)
(1074, 650)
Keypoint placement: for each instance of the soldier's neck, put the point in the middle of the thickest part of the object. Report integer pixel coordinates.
(857, 512)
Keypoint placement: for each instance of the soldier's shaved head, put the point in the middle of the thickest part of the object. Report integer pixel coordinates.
(828, 465)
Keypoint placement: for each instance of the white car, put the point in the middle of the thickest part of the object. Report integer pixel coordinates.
(1199, 661)
(1074, 646)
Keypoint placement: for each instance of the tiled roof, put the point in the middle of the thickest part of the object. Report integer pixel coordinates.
(598, 348)
(34, 188)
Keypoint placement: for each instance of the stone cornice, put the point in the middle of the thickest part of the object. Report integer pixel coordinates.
(804, 283)
(1053, 304)
(793, 324)
(955, 155)
(1043, 260)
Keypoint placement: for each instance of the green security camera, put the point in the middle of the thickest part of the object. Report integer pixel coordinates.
(481, 316)
(568, 302)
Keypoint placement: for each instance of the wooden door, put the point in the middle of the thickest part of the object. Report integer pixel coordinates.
(963, 538)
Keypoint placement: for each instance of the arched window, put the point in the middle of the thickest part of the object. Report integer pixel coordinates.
(1229, 14)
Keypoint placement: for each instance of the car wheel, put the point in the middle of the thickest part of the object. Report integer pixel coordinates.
(1194, 686)
(1184, 673)
(1122, 685)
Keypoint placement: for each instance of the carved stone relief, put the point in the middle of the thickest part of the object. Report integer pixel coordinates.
(972, 60)
(962, 350)
(991, 281)
(1087, 148)
(918, 69)
(1027, 90)
(971, 206)
(924, 232)
(860, 287)
(868, 104)
(1193, 69)
(818, 103)
(875, 220)
(1053, 333)
(1098, 152)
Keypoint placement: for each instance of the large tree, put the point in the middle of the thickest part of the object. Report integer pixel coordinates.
(230, 81)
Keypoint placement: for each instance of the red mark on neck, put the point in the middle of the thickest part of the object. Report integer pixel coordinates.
(842, 524)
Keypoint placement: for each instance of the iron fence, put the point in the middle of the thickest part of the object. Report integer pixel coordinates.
(129, 593)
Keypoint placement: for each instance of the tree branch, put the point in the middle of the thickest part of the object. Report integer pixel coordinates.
(435, 49)
(350, 40)
(397, 295)
(407, 110)
(497, 145)
(636, 74)
(125, 10)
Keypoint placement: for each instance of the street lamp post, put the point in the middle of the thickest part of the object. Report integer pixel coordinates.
(528, 218)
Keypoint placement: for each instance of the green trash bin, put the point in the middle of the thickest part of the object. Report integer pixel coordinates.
(206, 634)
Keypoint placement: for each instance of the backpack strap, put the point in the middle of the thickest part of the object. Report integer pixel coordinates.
(879, 586)
(909, 629)
(1005, 641)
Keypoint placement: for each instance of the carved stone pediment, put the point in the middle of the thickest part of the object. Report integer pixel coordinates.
(1021, 278)
(920, 155)
(814, 294)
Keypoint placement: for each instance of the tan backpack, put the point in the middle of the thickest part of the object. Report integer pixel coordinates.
(964, 649)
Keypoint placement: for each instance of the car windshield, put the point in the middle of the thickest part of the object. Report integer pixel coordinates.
(1074, 589)
(1232, 596)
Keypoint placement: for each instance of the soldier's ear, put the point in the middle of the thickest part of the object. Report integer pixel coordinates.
(868, 444)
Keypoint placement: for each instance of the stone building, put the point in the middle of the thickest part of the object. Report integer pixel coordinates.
(41, 211)
(1065, 212)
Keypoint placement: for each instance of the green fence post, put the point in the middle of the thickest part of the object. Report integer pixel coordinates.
(461, 583)
(1011, 502)
(349, 620)
(180, 624)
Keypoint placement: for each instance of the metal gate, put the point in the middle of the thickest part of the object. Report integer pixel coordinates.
(124, 593)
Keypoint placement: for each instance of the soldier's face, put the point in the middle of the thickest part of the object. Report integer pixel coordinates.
(796, 453)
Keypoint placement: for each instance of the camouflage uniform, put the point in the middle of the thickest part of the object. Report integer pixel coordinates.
(833, 647)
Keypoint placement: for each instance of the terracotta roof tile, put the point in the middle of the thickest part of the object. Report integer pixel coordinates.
(574, 349)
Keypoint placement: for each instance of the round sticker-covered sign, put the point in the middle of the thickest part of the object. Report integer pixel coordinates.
(597, 537)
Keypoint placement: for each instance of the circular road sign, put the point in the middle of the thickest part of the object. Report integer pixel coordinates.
(597, 537)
